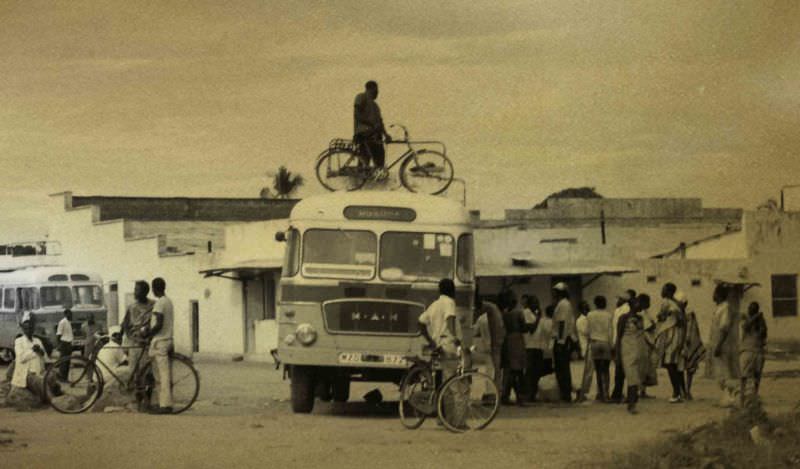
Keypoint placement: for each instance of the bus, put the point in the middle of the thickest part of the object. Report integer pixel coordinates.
(359, 269)
(46, 291)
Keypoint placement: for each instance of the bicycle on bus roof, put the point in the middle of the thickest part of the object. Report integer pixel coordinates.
(344, 165)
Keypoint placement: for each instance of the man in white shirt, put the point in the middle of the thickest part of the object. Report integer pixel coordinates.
(161, 344)
(439, 324)
(623, 307)
(112, 359)
(565, 336)
(65, 338)
(440, 327)
(29, 364)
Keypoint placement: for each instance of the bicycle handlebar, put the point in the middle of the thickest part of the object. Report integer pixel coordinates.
(405, 131)
(407, 140)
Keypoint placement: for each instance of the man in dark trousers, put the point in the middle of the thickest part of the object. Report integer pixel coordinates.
(65, 338)
(369, 131)
(565, 336)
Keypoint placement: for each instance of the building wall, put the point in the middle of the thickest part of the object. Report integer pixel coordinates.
(180, 236)
(631, 210)
(180, 208)
(103, 248)
(496, 245)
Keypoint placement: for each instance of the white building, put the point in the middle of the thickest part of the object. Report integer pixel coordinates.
(137, 238)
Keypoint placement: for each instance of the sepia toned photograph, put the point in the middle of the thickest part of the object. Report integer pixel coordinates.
(400, 234)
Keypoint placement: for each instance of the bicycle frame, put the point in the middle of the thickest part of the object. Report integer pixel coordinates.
(138, 367)
(405, 141)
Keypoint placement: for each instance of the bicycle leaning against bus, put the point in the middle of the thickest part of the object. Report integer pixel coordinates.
(468, 400)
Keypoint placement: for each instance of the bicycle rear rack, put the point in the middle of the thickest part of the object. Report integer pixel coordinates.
(341, 144)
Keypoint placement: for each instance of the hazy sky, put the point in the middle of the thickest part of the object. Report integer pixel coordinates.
(639, 99)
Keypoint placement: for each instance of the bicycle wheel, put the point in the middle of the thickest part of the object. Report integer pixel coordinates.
(76, 391)
(341, 170)
(417, 392)
(426, 172)
(468, 402)
(184, 384)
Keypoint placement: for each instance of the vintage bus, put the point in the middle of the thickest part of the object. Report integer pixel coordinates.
(359, 269)
(46, 292)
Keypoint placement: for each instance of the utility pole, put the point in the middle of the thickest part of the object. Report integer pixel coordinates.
(783, 203)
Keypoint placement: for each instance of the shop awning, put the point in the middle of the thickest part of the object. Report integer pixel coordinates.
(490, 270)
(744, 285)
(243, 268)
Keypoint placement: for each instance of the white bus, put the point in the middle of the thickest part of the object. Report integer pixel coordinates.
(359, 269)
(46, 292)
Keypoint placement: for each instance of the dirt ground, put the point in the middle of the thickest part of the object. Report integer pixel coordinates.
(243, 419)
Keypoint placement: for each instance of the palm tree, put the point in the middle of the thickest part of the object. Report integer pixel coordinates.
(284, 184)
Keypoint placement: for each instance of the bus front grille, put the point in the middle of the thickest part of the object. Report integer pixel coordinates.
(363, 316)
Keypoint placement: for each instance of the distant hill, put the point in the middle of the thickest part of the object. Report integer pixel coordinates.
(571, 193)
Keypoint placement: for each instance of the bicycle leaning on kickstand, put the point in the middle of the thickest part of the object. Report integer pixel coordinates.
(468, 400)
(344, 165)
(84, 382)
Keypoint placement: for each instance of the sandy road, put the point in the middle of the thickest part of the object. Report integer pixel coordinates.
(243, 420)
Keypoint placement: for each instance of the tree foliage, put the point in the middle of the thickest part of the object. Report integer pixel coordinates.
(571, 193)
(284, 184)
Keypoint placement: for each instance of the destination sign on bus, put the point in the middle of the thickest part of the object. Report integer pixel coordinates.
(372, 212)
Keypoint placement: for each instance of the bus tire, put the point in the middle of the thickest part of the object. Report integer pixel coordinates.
(6, 355)
(302, 389)
(341, 388)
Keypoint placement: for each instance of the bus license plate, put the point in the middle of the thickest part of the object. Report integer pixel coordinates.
(361, 358)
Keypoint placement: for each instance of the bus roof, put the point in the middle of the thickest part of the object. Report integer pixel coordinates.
(38, 274)
(427, 209)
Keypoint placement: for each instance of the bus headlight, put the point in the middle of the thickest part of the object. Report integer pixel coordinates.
(306, 334)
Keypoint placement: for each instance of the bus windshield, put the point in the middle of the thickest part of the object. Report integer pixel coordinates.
(89, 295)
(416, 257)
(339, 254)
(56, 296)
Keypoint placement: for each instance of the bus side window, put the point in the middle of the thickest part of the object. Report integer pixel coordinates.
(9, 297)
(28, 299)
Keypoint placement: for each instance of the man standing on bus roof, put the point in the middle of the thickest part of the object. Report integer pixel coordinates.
(369, 131)
(161, 344)
(65, 338)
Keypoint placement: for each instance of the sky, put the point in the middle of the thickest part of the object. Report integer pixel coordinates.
(204, 98)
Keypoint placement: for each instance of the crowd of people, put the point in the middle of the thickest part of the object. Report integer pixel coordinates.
(520, 343)
(147, 327)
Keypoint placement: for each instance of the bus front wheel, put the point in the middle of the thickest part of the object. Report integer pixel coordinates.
(302, 389)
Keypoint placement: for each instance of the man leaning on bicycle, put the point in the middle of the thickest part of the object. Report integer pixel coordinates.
(441, 328)
(369, 132)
